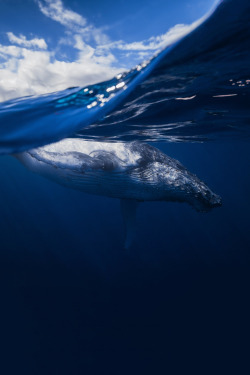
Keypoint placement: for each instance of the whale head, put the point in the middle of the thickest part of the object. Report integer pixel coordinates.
(203, 199)
(173, 182)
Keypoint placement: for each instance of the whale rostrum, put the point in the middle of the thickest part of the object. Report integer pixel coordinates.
(131, 172)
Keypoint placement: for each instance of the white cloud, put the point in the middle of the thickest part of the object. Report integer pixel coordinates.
(29, 72)
(72, 21)
(9, 51)
(28, 67)
(22, 41)
(55, 10)
(157, 42)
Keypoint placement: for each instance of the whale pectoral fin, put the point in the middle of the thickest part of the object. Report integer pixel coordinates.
(128, 210)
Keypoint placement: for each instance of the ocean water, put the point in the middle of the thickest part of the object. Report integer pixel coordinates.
(73, 301)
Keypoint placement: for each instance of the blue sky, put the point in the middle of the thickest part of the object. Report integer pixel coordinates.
(49, 45)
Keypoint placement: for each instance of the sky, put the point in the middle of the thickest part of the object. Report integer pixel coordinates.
(49, 45)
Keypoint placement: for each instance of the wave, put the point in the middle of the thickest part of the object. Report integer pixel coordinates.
(194, 90)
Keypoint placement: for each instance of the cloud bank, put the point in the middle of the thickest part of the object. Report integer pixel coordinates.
(29, 67)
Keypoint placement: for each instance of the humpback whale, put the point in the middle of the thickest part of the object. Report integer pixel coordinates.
(132, 172)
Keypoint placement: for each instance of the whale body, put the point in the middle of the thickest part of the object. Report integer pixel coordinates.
(131, 171)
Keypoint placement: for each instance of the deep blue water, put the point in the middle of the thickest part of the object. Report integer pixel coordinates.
(73, 301)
